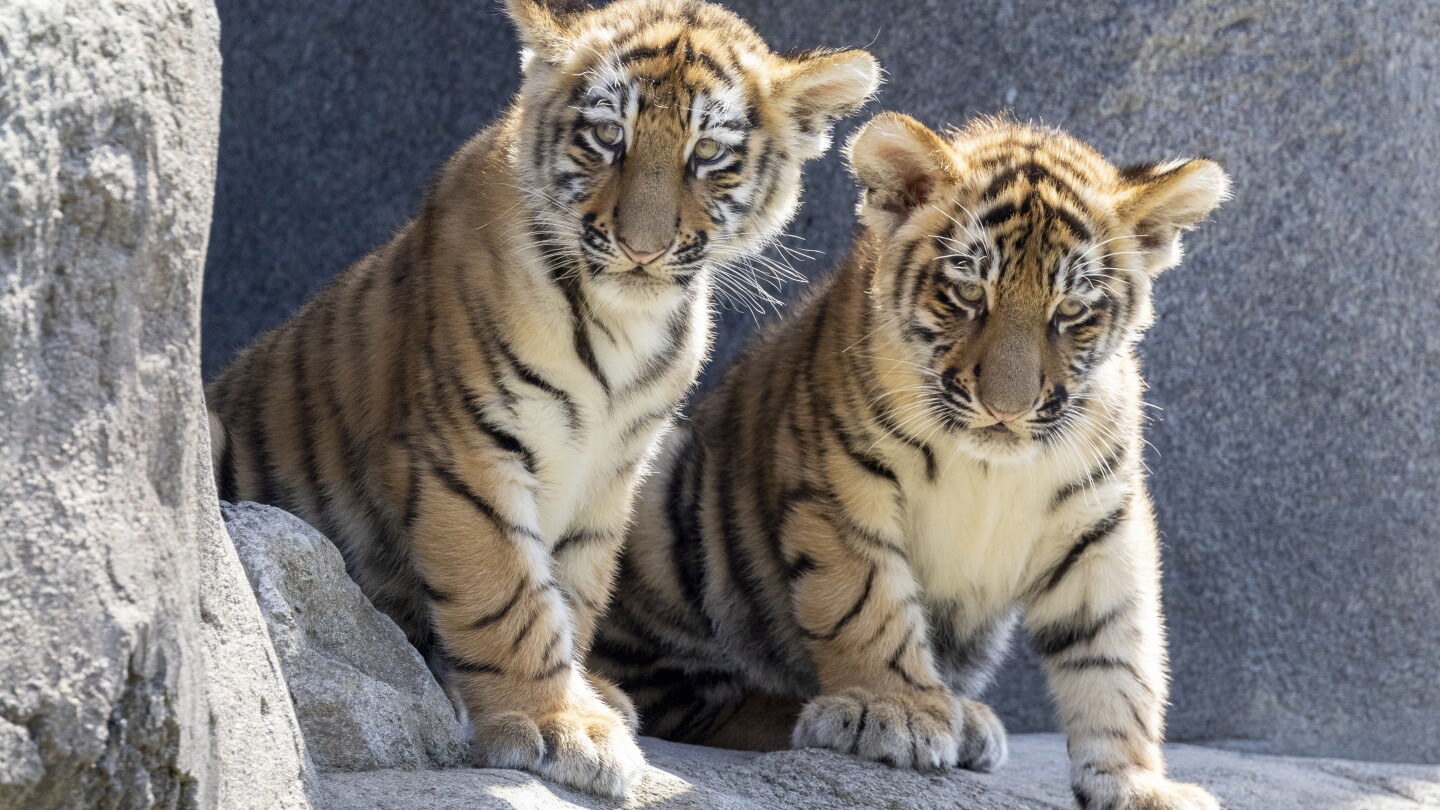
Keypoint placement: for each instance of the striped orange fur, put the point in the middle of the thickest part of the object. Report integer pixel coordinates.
(466, 411)
(943, 435)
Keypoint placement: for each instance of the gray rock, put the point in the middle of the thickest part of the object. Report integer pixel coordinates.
(1296, 356)
(682, 776)
(363, 695)
(135, 671)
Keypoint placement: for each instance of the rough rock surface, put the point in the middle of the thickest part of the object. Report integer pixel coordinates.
(363, 696)
(1296, 357)
(134, 671)
(683, 776)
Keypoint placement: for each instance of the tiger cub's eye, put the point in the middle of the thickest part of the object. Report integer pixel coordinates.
(609, 133)
(972, 292)
(708, 149)
(1070, 307)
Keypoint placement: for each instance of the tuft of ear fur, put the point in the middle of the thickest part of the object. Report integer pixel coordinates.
(901, 163)
(819, 87)
(1163, 200)
(545, 28)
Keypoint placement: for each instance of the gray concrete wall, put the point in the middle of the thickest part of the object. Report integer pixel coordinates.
(1295, 363)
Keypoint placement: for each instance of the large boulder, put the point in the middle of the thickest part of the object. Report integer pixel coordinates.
(1294, 360)
(135, 671)
(363, 695)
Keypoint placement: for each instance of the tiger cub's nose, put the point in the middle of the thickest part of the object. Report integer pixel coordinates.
(639, 257)
(1003, 416)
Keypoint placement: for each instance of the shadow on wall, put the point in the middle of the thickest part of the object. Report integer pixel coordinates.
(1295, 362)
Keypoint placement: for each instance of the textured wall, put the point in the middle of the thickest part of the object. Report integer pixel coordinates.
(1296, 361)
(134, 668)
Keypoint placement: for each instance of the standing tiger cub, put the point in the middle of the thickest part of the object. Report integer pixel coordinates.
(467, 411)
(946, 433)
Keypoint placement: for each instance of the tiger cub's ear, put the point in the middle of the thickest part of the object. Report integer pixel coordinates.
(1160, 201)
(901, 164)
(819, 87)
(545, 28)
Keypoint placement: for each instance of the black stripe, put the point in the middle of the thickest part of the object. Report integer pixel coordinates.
(1089, 662)
(501, 438)
(1000, 183)
(1103, 470)
(867, 536)
(487, 337)
(584, 348)
(664, 361)
(872, 396)
(866, 461)
(555, 670)
(802, 565)
(854, 610)
(640, 53)
(710, 63)
(463, 490)
(1054, 639)
(499, 615)
(1093, 535)
(638, 425)
(1072, 222)
(998, 215)
(578, 537)
(525, 630)
(532, 378)
(898, 668)
(472, 667)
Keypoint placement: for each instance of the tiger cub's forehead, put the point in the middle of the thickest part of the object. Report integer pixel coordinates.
(696, 61)
(1030, 195)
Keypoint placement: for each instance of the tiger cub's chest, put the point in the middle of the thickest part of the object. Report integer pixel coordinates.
(973, 533)
(646, 364)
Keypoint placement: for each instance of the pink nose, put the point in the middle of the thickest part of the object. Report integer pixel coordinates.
(1003, 416)
(638, 257)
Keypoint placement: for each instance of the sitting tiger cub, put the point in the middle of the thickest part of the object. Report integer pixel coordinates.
(946, 432)
(467, 410)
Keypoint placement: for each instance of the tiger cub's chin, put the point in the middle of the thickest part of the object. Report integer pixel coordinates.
(466, 411)
(942, 439)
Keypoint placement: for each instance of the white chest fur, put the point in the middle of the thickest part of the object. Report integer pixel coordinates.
(974, 531)
(583, 454)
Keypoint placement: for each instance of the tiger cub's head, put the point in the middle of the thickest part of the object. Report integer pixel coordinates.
(1015, 261)
(661, 137)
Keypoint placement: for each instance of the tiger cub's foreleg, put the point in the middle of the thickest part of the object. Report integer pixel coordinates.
(881, 698)
(509, 635)
(1097, 627)
(586, 560)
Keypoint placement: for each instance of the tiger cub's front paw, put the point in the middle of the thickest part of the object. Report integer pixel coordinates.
(906, 730)
(1142, 791)
(983, 744)
(585, 745)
